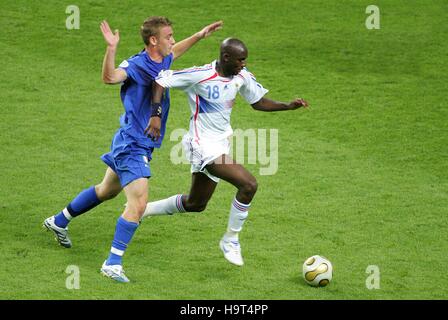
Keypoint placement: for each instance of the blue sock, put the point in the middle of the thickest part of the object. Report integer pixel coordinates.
(123, 235)
(83, 202)
(61, 220)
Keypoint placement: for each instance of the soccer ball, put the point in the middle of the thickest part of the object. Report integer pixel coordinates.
(317, 271)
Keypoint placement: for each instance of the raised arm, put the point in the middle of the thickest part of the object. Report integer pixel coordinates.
(181, 47)
(110, 74)
(265, 104)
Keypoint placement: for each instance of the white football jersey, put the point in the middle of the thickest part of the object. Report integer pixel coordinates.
(211, 97)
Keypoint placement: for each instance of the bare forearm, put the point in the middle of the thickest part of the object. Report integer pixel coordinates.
(109, 74)
(157, 93)
(269, 105)
(109, 64)
(112, 75)
(181, 47)
(153, 128)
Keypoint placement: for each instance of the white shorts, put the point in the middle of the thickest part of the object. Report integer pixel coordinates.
(201, 153)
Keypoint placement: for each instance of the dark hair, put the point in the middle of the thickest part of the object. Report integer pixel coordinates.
(151, 27)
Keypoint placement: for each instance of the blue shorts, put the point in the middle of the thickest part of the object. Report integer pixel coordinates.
(127, 159)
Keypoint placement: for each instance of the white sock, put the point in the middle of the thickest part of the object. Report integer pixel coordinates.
(165, 206)
(67, 214)
(238, 214)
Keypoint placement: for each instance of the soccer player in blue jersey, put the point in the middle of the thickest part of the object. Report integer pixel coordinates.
(131, 150)
(211, 90)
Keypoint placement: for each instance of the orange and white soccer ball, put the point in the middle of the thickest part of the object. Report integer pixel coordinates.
(317, 271)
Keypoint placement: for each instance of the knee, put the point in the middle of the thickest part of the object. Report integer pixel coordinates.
(136, 207)
(250, 187)
(103, 193)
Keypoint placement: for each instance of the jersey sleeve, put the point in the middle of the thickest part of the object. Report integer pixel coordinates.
(182, 79)
(251, 90)
(135, 72)
(126, 66)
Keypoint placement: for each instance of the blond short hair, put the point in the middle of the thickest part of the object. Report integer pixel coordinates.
(151, 27)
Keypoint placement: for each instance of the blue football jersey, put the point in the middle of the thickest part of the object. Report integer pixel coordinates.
(136, 95)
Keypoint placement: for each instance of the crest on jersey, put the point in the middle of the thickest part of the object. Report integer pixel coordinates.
(124, 64)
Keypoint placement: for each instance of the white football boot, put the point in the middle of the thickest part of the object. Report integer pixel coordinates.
(114, 272)
(61, 233)
(232, 251)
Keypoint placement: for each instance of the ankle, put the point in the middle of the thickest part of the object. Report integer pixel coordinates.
(231, 236)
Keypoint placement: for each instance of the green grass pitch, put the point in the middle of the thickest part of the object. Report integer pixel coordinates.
(362, 175)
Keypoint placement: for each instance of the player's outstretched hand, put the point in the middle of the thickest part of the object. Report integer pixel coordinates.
(299, 102)
(153, 129)
(208, 30)
(111, 38)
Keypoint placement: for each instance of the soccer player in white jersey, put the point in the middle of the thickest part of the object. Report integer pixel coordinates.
(211, 91)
